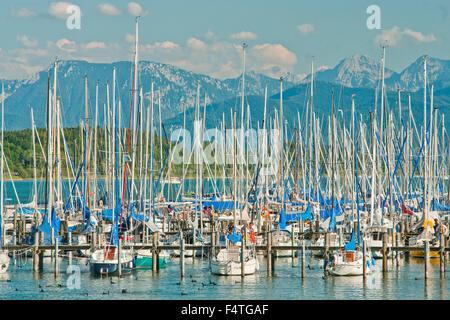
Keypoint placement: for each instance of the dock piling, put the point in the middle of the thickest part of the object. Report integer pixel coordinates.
(426, 258)
(442, 254)
(384, 250)
(269, 254)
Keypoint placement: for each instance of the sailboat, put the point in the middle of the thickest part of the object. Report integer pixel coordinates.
(105, 261)
(428, 232)
(228, 261)
(351, 260)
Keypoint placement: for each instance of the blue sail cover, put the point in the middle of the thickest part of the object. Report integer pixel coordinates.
(436, 206)
(334, 213)
(107, 214)
(46, 228)
(294, 217)
(325, 214)
(219, 205)
(350, 246)
(234, 237)
(114, 241)
(137, 217)
(199, 236)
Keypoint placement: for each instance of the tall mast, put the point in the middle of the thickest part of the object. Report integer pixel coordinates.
(34, 160)
(425, 174)
(332, 152)
(382, 91)
(95, 145)
(283, 204)
(1, 167)
(50, 156)
(242, 148)
(133, 104)
(135, 109)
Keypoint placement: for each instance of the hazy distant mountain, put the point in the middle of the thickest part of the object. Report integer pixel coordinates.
(411, 78)
(358, 74)
(178, 90)
(355, 71)
(361, 71)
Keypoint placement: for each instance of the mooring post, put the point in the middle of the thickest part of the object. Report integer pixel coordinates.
(303, 259)
(182, 254)
(41, 252)
(442, 254)
(269, 254)
(391, 240)
(325, 253)
(385, 240)
(244, 240)
(14, 243)
(69, 237)
(155, 256)
(364, 259)
(35, 253)
(397, 252)
(300, 226)
(292, 251)
(426, 258)
(119, 254)
(164, 223)
(56, 259)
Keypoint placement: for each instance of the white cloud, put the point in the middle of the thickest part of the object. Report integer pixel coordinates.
(94, 45)
(27, 41)
(196, 44)
(390, 36)
(273, 59)
(305, 29)
(322, 68)
(393, 36)
(59, 9)
(420, 36)
(244, 35)
(135, 9)
(166, 45)
(130, 38)
(66, 45)
(109, 9)
(23, 13)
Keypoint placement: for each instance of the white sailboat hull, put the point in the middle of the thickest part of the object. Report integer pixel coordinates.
(4, 262)
(232, 268)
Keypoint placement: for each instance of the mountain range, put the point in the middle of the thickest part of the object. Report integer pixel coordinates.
(177, 89)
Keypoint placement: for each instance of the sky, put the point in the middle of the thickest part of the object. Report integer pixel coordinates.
(205, 36)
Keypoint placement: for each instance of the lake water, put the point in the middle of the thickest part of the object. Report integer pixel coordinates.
(199, 284)
(404, 282)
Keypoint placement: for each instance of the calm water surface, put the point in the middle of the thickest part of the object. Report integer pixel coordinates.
(405, 283)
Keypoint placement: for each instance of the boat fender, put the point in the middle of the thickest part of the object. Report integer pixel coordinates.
(428, 222)
(265, 213)
(373, 262)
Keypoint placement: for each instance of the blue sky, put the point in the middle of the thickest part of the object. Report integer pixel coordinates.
(204, 36)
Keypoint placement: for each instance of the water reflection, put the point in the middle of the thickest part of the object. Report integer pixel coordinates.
(199, 283)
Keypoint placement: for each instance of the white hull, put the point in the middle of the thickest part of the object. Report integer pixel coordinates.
(350, 263)
(348, 269)
(228, 262)
(232, 268)
(4, 262)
